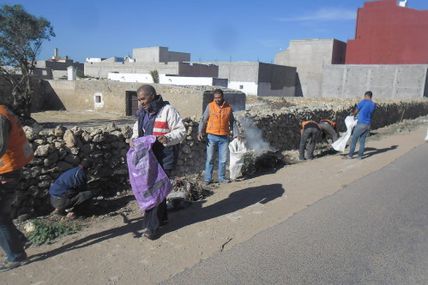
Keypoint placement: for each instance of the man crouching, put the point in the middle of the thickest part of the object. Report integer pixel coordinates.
(69, 191)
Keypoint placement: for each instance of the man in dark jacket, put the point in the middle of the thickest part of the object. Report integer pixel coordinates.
(157, 117)
(312, 132)
(69, 191)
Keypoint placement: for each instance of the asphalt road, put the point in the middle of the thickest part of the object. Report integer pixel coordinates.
(374, 231)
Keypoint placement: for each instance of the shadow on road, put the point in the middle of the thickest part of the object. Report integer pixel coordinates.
(370, 151)
(195, 214)
(236, 201)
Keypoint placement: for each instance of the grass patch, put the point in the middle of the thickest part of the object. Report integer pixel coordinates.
(46, 231)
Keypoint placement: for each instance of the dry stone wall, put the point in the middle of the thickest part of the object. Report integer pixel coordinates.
(59, 149)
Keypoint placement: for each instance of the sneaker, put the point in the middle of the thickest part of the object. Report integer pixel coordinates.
(224, 181)
(207, 183)
(9, 265)
(347, 157)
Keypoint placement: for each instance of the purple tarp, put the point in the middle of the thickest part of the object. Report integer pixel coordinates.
(149, 182)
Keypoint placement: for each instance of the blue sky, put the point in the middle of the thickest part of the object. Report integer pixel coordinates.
(210, 30)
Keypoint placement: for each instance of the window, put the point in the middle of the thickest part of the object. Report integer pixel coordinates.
(97, 99)
(241, 87)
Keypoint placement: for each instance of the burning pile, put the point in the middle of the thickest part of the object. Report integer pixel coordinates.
(185, 191)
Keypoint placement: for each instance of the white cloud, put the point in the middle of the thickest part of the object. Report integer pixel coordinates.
(325, 14)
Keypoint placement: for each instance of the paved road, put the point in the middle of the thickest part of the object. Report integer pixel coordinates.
(374, 231)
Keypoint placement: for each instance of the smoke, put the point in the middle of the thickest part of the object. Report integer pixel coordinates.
(253, 137)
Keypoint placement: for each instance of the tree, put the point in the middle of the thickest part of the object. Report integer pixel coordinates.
(21, 38)
(155, 76)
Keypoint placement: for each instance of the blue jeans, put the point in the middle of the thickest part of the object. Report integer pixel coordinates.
(223, 149)
(11, 239)
(360, 133)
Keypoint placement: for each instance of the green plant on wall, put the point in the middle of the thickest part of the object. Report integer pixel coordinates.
(155, 76)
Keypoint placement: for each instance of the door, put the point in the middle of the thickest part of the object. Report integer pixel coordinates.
(131, 103)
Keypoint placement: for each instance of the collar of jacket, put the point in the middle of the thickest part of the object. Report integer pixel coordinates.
(155, 106)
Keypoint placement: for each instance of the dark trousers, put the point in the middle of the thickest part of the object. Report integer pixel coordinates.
(11, 239)
(156, 215)
(72, 201)
(307, 142)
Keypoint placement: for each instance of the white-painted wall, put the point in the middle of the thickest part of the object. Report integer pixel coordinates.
(249, 88)
(194, 81)
(131, 77)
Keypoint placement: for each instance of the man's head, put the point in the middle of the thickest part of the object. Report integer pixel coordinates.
(368, 95)
(218, 97)
(145, 95)
(86, 163)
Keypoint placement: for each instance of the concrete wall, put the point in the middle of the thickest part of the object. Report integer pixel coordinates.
(159, 54)
(259, 79)
(276, 80)
(80, 95)
(178, 56)
(46, 69)
(310, 56)
(198, 70)
(386, 81)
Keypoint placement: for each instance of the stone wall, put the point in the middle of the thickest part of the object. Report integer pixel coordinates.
(59, 149)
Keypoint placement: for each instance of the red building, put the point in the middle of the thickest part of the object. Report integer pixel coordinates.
(387, 33)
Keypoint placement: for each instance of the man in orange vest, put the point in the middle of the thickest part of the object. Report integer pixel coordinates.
(15, 153)
(216, 122)
(311, 133)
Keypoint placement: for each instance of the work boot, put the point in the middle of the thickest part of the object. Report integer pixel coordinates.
(151, 235)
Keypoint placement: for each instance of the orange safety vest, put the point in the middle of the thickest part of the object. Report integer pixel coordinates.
(304, 123)
(19, 151)
(219, 119)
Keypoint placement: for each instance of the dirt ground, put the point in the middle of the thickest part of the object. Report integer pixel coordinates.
(51, 119)
(111, 250)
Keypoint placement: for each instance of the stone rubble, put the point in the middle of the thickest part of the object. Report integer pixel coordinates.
(59, 149)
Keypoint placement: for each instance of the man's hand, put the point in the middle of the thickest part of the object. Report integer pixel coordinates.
(200, 137)
(131, 142)
(163, 139)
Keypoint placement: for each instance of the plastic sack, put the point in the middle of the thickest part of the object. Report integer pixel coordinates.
(149, 182)
(340, 143)
(237, 149)
(426, 138)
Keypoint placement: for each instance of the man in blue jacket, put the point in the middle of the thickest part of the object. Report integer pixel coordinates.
(69, 191)
(365, 110)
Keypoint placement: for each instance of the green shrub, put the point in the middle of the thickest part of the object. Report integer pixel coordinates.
(48, 231)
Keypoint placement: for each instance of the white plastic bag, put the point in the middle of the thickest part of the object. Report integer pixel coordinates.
(340, 143)
(237, 150)
(426, 138)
